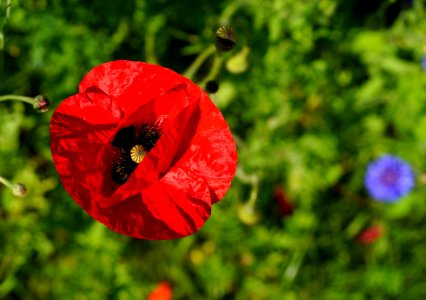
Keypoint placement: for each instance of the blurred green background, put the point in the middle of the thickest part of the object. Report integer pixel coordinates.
(313, 91)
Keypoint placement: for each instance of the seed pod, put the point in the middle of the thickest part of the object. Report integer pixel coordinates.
(137, 153)
(226, 39)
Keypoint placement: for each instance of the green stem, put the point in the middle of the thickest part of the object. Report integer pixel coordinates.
(196, 64)
(1, 40)
(6, 182)
(153, 28)
(8, 6)
(253, 180)
(294, 266)
(18, 98)
(253, 195)
(214, 71)
(230, 11)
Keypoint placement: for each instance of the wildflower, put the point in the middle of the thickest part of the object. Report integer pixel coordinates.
(163, 291)
(370, 235)
(388, 178)
(424, 62)
(143, 150)
(285, 206)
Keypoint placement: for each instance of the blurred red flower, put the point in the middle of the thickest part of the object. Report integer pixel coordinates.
(163, 291)
(370, 235)
(143, 150)
(285, 206)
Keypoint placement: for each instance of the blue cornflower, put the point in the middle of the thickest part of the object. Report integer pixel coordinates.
(388, 178)
(424, 62)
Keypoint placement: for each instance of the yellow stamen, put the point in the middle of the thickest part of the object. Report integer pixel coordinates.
(137, 153)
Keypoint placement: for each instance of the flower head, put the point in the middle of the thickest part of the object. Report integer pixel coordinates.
(424, 62)
(285, 206)
(388, 178)
(370, 235)
(163, 291)
(143, 150)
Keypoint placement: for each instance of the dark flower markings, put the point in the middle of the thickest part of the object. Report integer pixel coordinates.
(124, 141)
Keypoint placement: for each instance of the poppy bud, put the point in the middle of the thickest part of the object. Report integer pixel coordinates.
(238, 63)
(247, 214)
(226, 39)
(212, 86)
(41, 104)
(19, 190)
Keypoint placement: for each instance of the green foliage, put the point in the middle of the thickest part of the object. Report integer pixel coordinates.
(313, 92)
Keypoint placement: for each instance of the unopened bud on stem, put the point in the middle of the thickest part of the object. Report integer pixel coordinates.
(248, 214)
(212, 86)
(18, 189)
(41, 104)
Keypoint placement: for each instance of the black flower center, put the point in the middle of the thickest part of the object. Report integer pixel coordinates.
(130, 146)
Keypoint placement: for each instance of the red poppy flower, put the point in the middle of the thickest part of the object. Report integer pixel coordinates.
(143, 150)
(285, 206)
(370, 235)
(163, 291)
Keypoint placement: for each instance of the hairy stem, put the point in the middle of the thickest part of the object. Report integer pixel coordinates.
(18, 98)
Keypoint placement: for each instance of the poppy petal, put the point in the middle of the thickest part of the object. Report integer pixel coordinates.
(217, 161)
(132, 83)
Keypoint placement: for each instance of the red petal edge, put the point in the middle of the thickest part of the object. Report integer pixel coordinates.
(170, 193)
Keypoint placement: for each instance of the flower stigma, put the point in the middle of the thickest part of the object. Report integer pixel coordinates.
(138, 153)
